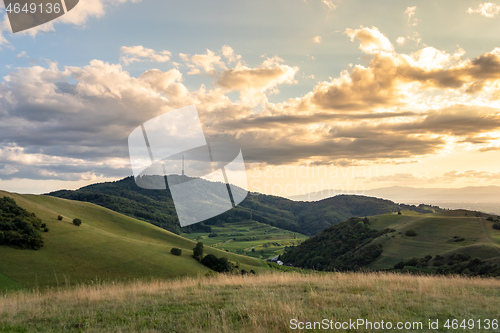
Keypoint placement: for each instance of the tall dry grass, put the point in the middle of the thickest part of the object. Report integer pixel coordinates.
(263, 303)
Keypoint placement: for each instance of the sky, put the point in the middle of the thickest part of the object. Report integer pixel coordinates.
(319, 94)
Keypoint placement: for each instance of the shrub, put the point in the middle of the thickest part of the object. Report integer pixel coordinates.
(411, 233)
(77, 222)
(496, 226)
(43, 225)
(490, 218)
(59, 217)
(176, 251)
(45, 229)
(217, 264)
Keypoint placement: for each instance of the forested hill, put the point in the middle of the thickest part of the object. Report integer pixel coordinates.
(309, 218)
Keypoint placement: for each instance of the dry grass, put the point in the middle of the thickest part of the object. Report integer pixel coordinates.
(263, 303)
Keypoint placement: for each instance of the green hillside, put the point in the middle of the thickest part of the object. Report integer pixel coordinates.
(308, 218)
(453, 241)
(107, 246)
(442, 234)
(250, 238)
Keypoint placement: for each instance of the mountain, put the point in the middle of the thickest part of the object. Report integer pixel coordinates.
(483, 194)
(481, 198)
(107, 246)
(308, 218)
(459, 242)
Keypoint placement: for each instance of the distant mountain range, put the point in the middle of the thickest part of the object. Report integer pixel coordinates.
(308, 218)
(481, 198)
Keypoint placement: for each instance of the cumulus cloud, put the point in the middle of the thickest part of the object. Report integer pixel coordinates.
(139, 53)
(254, 83)
(486, 9)
(371, 40)
(204, 63)
(397, 107)
(389, 77)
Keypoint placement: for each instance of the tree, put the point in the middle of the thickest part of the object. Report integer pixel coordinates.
(176, 251)
(198, 251)
(77, 222)
(59, 217)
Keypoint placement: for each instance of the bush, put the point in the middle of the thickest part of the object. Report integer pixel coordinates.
(411, 233)
(217, 264)
(77, 222)
(496, 226)
(45, 229)
(176, 251)
(43, 225)
(59, 217)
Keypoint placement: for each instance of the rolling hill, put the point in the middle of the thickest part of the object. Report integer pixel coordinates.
(107, 246)
(308, 218)
(382, 241)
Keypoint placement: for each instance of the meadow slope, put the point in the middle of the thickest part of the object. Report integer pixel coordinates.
(435, 234)
(107, 246)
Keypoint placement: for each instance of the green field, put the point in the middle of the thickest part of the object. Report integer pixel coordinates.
(107, 246)
(262, 303)
(249, 238)
(436, 234)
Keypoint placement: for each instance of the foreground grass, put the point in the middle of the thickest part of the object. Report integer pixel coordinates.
(262, 303)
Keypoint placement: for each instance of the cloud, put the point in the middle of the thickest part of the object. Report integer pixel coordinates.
(329, 4)
(372, 41)
(316, 39)
(401, 40)
(228, 53)
(254, 83)
(139, 53)
(388, 79)
(208, 62)
(486, 9)
(74, 121)
(410, 14)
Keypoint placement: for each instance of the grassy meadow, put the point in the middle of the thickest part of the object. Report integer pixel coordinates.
(249, 238)
(108, 246)
(262, 303)
(436, 234)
